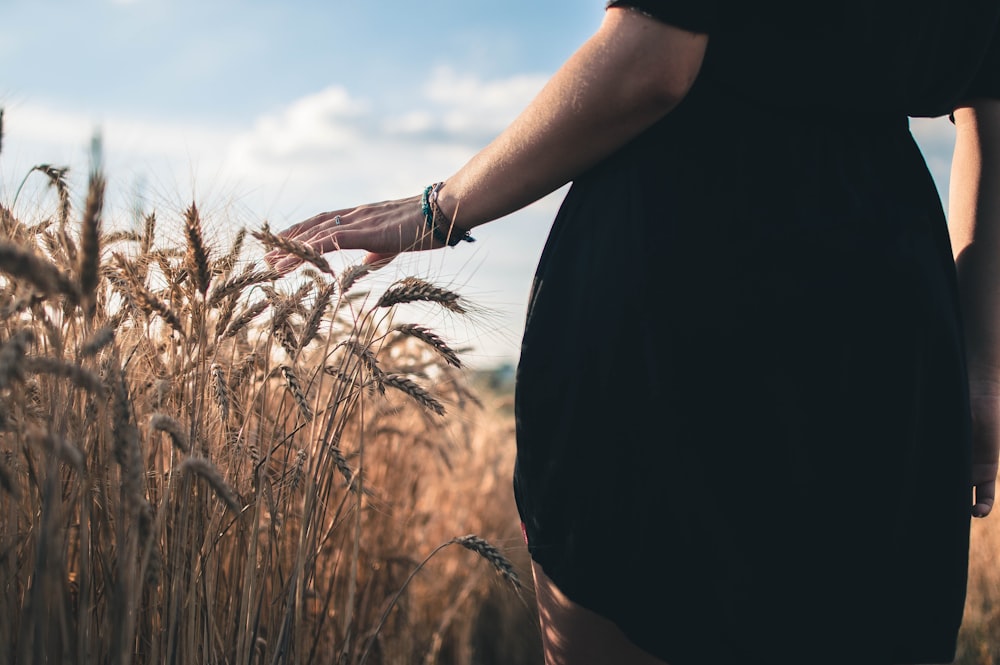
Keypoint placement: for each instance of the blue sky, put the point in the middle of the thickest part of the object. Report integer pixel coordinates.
(264, 110)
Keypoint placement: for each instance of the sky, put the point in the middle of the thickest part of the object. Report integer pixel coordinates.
(274, 111)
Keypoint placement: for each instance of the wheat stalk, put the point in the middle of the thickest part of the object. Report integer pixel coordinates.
(432, 340)
(235, 285)
(90, 241)
(352, 274)
(196, 259)
(7, 481)
(120, 236)
(245, 317)
(79, 376)
(368, 359)
(294, 247)
(201, 467)
(148, 233)
(221, 390)
(12, 355)
(413, 289)
(297, 473)
(312, 324)
(58, 446)
(97, 341)
(44, 276)
(295, 388)
(151, 304)
(242, 371)
(225, 265)
(493, 555)
(57, 180)
(470, 542)
(414, 390)
(172, 428)
(226, 314)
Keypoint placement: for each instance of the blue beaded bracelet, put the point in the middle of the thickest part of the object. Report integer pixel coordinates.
(432, 213)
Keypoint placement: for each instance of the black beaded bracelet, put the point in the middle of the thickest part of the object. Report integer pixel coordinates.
(433, 214)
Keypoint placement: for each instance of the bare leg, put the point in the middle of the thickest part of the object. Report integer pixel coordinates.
(573, 635)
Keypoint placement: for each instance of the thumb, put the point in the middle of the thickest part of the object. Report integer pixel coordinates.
(985, 495)
(984, 481)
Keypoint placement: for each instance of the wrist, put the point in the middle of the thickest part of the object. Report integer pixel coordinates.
(439, 223)
(448, 203)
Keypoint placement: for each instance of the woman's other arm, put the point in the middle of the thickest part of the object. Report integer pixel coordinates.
(974, 218)
(627, 76)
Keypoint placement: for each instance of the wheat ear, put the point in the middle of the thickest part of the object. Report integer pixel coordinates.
(201, 467)
(40, 273)
(12, 355)
(245, 317)
(57, 180)
(414, 390)
(197, 254)
(90, 240)
(471, 542)
(78, 375)
(172, 428)
(294, 247)
(294, 387)
(413, 289)
(432, 340)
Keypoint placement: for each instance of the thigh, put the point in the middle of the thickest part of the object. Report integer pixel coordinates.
(573, 635)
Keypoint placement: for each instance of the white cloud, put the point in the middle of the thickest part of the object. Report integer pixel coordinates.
(474, 108)
(335, 142)
(318, 125)
(324, 150)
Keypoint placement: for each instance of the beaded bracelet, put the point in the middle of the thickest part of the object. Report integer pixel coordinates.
(433, 213)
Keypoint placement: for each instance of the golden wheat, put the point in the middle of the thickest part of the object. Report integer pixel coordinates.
(197, 260)
(279, 518)
(293, 247)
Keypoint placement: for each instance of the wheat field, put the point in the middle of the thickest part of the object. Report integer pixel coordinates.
(201, 462)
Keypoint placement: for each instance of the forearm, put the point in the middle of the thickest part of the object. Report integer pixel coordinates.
(630, 74)
(974, 220)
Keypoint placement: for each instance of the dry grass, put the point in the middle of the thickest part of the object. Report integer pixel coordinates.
(979, 640)
(202, 464)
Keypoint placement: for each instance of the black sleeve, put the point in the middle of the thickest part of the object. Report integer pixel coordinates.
(987, 81)
(696, 16)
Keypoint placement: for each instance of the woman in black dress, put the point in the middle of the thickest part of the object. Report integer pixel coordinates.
(744, 395)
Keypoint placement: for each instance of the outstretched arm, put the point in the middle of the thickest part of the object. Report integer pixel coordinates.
(628, 75)
(974, 218)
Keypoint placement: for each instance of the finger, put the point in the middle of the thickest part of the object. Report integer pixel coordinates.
(316, 223)
(329, 241)
(376, 260)
(287, 264)
(985, 496)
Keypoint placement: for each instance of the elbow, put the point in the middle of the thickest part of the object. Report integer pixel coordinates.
(670, 87)
(667, 73)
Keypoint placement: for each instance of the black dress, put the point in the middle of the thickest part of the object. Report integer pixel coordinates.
(742, 409)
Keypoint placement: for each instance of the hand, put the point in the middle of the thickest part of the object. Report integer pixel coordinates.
(985, 444)
(384, 229)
